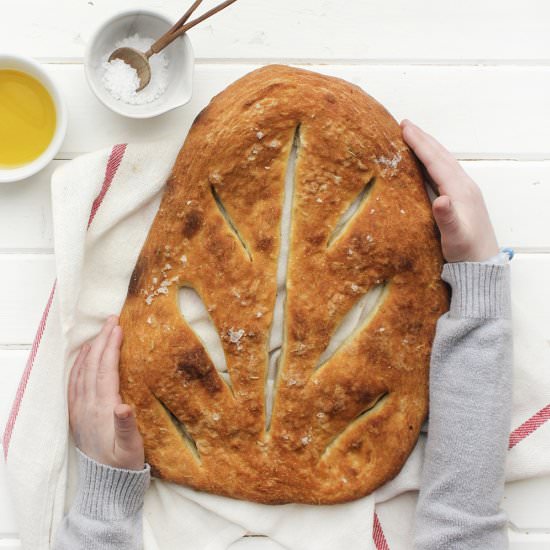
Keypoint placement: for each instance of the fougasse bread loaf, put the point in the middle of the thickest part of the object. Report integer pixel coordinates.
(345, 415)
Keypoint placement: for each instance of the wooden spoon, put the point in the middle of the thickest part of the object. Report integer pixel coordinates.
(140, 61)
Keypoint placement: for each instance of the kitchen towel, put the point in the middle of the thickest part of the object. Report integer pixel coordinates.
(103, 205)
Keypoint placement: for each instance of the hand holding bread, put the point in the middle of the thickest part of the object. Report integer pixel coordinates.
(103, 428)
(460, 212)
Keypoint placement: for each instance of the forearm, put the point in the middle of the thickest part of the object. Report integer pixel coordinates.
(470, 408)
(107, 510)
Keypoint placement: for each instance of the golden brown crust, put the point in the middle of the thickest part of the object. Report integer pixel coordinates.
(340, 430)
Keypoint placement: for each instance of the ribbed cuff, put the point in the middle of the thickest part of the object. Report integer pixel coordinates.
(108, 493)
(478, 290)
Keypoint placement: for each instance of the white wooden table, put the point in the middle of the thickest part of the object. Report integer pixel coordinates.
(475, 73)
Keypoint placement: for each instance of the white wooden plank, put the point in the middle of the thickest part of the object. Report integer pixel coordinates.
(12, 364)
(425, 30)
(530, 289)
(477, 112)
(517, 195)
(26, 213)
(25, 284)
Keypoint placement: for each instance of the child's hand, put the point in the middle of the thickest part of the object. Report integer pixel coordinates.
(460, 212)
(102, 427)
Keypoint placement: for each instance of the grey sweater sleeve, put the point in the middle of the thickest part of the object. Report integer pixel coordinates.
(470, 411)
(106, 513)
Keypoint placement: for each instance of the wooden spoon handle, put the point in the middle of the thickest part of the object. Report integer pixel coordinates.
(173, 33)
(158, 44)
(183, 19)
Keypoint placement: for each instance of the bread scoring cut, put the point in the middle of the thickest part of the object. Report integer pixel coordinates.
(350, 378)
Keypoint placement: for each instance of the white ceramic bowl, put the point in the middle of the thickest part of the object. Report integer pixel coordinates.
(147, 24)
(34, 69)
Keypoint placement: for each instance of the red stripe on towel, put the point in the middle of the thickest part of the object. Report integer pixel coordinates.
(25, 377)
(529, 426)
(378, 535)
(115, 158)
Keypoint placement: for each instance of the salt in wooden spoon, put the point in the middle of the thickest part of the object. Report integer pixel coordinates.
(140, 61)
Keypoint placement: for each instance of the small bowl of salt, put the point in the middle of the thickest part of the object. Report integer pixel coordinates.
(115, 83)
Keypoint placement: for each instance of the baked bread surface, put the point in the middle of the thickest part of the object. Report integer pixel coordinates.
(339, 428)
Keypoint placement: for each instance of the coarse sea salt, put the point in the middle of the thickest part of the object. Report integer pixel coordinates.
(122, 81)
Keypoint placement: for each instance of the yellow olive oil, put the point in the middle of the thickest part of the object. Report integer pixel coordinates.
(27, 118)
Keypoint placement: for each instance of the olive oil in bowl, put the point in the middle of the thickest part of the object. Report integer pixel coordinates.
(27, 118)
